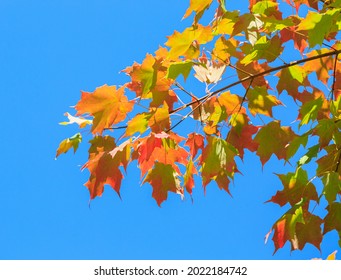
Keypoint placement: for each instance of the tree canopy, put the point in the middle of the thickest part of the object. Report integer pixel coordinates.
(277, 59)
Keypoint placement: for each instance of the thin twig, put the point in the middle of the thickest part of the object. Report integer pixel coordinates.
(187, 115)
(185, 91)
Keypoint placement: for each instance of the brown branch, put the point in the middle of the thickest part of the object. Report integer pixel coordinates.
(190, 94)
(244, 97)
(293, 63)
(117, 127)
(203, 99)
(187, 115)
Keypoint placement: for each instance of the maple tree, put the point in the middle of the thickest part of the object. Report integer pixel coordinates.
(249, 64)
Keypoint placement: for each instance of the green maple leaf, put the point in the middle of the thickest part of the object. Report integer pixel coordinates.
(332, 186)
(179, 68)
(273, 139)
(163, 178)
(264, 49)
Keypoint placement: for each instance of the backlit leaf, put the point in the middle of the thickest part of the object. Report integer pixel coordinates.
(177, 68)
(333, 218)
(296, 187)
(332, 186)
(180, 43)
(103, 167)
(197, 6)
(218, 162)
(80, 121)
(273, 139)
(285, 228)
(163, 178)
(210, 72)
(264, 49)
(69, 143)
(188, 176)
(107, 105)
(139, 123)
(318, 26)
(260, 102)
(195, 142)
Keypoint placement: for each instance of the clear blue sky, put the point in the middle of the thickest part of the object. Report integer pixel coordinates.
(49, 51)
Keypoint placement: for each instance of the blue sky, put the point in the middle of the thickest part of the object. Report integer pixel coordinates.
(50, 50)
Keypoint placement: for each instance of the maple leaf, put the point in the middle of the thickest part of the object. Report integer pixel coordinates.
(209, 71)
(329, 162)
(224, 49)
(260, 102)
(250, 24)
(161, 147)
(163, 178)
(295, 144)
(160, 97)
(231, 102)
(103, 167)
(159, 119)
(312, 152)
(252, 69)
(266, 8)
(332, 186)
(68, 143)
(188, 176)
(285, 227)
(225, 24)
(197, 6)
(216, 115)
(309, 231)
(180, 43)
(273, 139)
(320, 66)
(242, 138)
(218, 162)
(195, 142)
(309, 111)
(326, 129)
(299, 227)
(296, 186)
(318, 26)
(314, 107)
(149, 76)
(80, 121)
(290, 79)
(139, 123)
(291, 33)
(264, 49)
(177, 68)
(333, 219)
(107, 105)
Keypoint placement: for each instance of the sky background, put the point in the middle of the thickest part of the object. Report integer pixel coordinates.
(49, 52)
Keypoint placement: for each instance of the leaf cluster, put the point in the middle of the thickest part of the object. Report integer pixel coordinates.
(248, 65)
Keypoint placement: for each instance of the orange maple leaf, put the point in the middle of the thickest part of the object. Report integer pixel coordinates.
(103, 167)
(107, 105)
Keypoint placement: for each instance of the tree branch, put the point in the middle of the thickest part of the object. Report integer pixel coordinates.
(293, 63)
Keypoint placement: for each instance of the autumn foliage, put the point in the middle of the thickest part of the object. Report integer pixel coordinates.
(250, 64)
